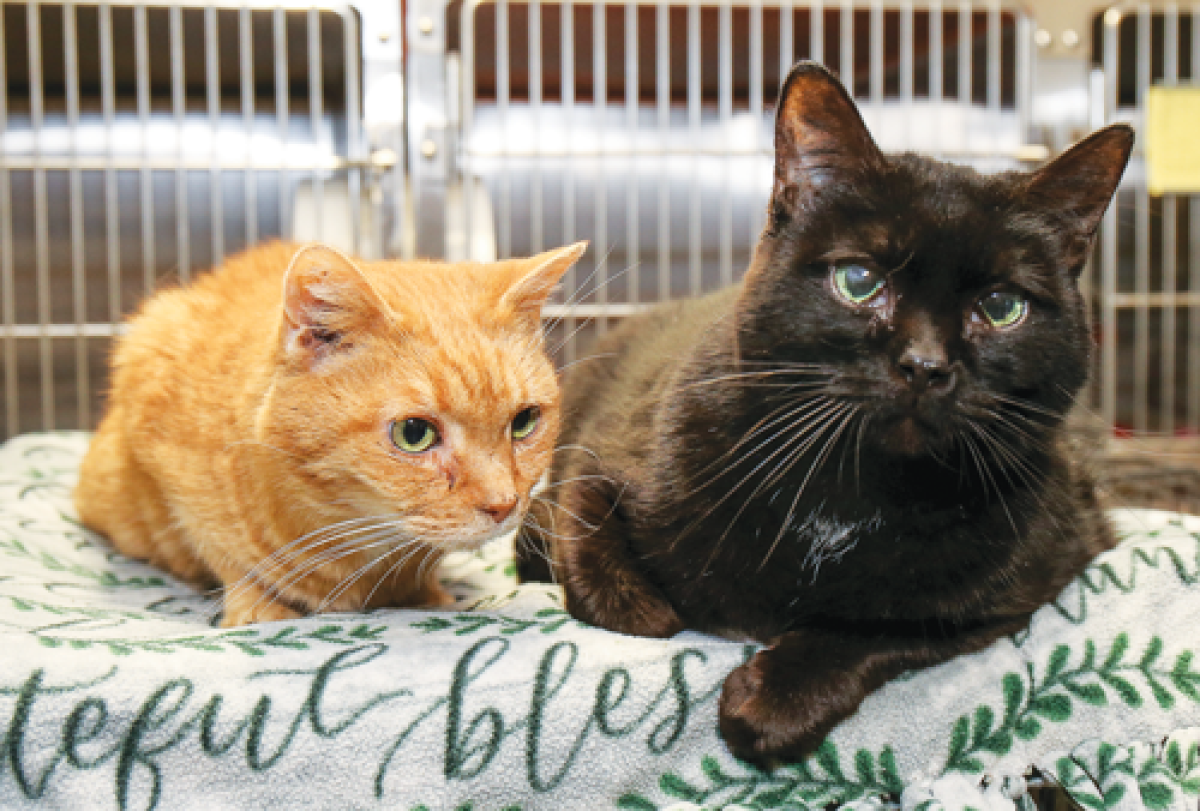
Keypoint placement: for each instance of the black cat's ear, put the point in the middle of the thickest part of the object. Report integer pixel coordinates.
(326, 298)
(820, 137)
(1078, 185)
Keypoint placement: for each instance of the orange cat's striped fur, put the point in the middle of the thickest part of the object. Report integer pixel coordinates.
(314, 433)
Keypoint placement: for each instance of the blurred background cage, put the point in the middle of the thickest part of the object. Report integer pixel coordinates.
(141, 143)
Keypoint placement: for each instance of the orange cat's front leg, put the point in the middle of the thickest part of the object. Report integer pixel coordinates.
(432, 595)
(249, 604)
(246, 601)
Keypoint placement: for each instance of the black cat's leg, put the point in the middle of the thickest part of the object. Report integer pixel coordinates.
(603, 582)
(534, 548)
(781, 705)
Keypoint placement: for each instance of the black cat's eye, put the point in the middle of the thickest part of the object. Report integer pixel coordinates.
(414, 435)
(525, 422)
(1004, 308)
(856, 284)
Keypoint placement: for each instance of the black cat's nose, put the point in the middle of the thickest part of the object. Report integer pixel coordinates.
(927, 369)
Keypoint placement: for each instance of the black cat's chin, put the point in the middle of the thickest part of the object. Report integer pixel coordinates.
(913, 436)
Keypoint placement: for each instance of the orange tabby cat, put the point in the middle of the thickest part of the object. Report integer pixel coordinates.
(314, 433)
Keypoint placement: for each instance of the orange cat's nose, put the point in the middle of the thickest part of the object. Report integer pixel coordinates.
(501, 509)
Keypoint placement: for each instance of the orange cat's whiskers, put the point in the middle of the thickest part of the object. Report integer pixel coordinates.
(347, 538)
(384, 540)
(411, 548)
(289, 552)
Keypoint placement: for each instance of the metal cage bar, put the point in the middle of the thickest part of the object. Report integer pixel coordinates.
(135, 155)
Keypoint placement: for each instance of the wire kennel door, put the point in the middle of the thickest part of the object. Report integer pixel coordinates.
(140, 144)
(1149, 268)
(647, 128)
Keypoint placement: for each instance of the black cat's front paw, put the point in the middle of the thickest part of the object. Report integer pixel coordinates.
(630, 610)
(768, 717)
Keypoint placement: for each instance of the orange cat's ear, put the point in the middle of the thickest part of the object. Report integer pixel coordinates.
(325, 299)
(533, 284)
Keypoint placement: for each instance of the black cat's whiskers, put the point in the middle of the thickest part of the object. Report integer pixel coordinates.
(576, 298)
(815, 408)
(837, 410)
(1031, 478)
(577, 361)
(581, 288)
(807, 433)
(577, 447)
(775, 370)
(1004, 420)
(768, 422)
(862, 428)
(1026, 405)
(845, 415)
(582, 522)
(524, 541)
(985, 472)
(583, 477)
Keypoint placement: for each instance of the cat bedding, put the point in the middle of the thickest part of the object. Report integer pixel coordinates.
(117, 692)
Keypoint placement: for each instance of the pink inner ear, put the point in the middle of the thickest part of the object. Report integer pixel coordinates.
(315, 318)
(304, 304)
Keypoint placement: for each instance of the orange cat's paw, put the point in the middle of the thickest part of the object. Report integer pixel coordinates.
(436, 597)
(245, 613)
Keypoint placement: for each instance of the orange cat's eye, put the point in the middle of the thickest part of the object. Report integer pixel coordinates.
(525, 422)
(414, 435)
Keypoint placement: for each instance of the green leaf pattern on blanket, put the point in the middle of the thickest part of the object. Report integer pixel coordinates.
(1098, 578)
(249, 640)
(16, 549)
(1102, 776)
(817, 783)
(546, 620)
(1030, 703)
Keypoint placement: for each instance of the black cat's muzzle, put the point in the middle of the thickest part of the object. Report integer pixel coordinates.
(920, 418)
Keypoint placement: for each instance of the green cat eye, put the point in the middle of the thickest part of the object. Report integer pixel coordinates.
(1004, 309)
(525, 421)
(856, 283)
(414, 435)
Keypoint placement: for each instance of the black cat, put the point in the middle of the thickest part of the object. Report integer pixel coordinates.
(857, 455)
